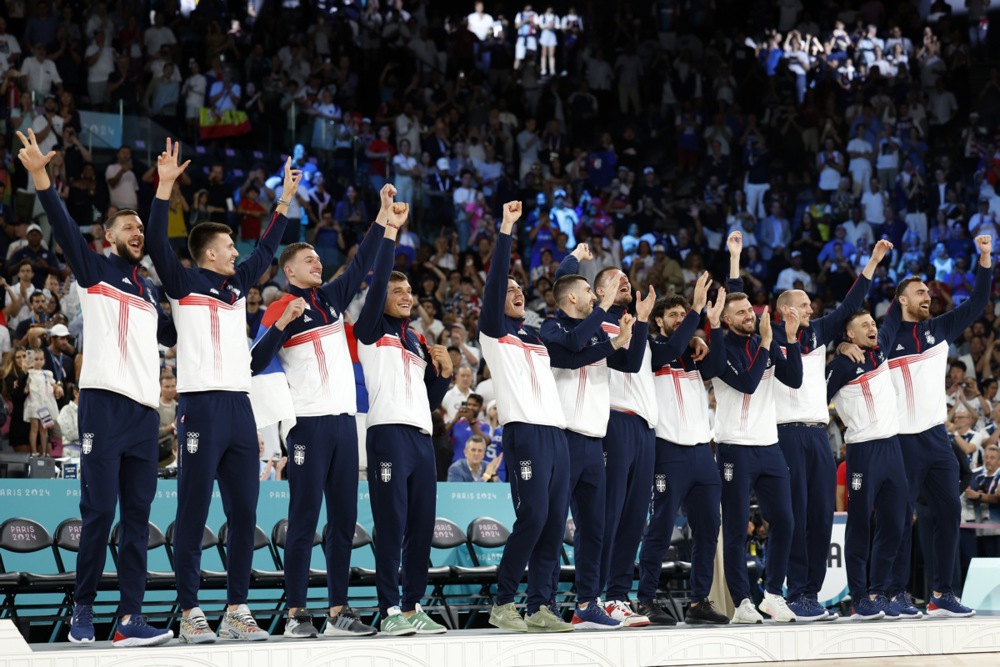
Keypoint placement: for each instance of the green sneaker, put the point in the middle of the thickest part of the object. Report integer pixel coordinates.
(423, 623)
(396, 625)
(544, 620)
(506, 617)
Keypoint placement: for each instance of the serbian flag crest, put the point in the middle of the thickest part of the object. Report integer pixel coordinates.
(220, 125)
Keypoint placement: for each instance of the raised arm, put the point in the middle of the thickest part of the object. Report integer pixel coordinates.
(890, 326)
(495, 290)
(568, 348)
(342, 289)
(570, 266)
(745, 377)
(86, 264)
(734, 243)
(828, 326)
(172, 273)
(788, 366)
(367, 328)
(954, 322)
(250, 271)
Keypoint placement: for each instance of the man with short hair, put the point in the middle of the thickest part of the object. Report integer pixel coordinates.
(122, 324)
(459, 394)
(803, 416)
(43, 261)
(865, 399)
(581, 353)
(216, 431)
(917, 363)
(302, 335)
(534, 444)
(38, 318)
(123, 185)
(167, 410)
(685, 472)
(748, 455)
(466, 424)
(406, 380)
(39, 73)
(470, 467)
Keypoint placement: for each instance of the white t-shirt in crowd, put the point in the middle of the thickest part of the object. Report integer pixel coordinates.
(105, 65)
(124, 194)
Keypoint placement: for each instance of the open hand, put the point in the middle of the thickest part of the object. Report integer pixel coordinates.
(290, 185)
(715, 309)
(167, 166)
(31, 155)
(644, 306)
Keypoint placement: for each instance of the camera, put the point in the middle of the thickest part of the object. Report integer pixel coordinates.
(276, 457)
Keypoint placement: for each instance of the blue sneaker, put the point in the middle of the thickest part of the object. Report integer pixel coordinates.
(866, 609)
(81, 628)
(136, 632)
(947, 605)
(594, 617)
(828, 614)
(805, 611)
(904, 605)
(888, 607)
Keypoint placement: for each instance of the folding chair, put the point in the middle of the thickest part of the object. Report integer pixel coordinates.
(482, 533)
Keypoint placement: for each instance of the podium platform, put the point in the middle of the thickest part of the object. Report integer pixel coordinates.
(638, 647)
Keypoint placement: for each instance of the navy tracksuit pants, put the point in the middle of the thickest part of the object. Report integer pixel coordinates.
(763, 469)
(118, 464)
(537, 466)
(586, 500)
(402, 486)
(873, 481)
(687, 476)
(216, 440)
(813, 478)
(323, 462)
(630, 452)
(931, 472)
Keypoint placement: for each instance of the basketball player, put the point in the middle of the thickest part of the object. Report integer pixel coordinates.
(216, 433)
(122, 323)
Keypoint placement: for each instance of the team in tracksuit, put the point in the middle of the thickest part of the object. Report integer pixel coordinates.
(803, 416)
(581, 355)
(119, 396)
(598, 415)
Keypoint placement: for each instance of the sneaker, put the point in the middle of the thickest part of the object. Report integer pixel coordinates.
(81, 628)
(904, 605)
(136, 632)
(747, 614)
(776, 607)
(804, 610)
(395, 624)
(621, 611)
(813, 600)
(240, 625)
(347, 624)
(195, 628)
(886, 605)
(544, 620)
(423, 623)
(594, 617)
(704, 613)
(655, 614)
(866, 609)
(300, 627)
(506, 617)
(947, 605)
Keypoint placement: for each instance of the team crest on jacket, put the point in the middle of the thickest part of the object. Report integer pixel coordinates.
(929, 338)
(385, 472)
(727, 471)
(525, 470)
(300, 455)
(856, 480)
(660, 483)
(192, 442)
(87, 443)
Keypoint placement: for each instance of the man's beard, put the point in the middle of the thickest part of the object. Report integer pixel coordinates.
(125, 252)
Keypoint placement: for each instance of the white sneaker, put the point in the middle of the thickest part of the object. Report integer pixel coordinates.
(747, 614)
(240, 625)
(621, 612)
(776, 607)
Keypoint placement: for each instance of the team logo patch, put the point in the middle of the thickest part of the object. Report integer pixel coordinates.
(87, 443)
(856, 480)
(192, 442)
(525, 470)
(605, 459)
(660, 483)
(300, 455)
(727, 471)
(385, 472)
(929, 338)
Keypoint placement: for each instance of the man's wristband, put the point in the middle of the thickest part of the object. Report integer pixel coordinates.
(282, 202)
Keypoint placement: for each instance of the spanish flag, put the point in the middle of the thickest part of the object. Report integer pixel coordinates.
(229, 123)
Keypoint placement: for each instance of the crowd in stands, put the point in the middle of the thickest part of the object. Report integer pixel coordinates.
(815, 129)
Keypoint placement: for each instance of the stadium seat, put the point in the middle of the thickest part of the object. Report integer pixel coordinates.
(211, 579)
(259, 578)
(23, 536)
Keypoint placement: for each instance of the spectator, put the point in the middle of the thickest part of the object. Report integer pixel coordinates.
(168, 419)
(458, 396)
(470, 468)
(39, 73)
(42, 260)
(123, 186)
(100, 58)
(272, 468)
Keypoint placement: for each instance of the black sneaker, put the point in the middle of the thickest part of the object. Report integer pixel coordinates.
(347, 624)
(656, 614)
(300, 627)
(704, 614)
